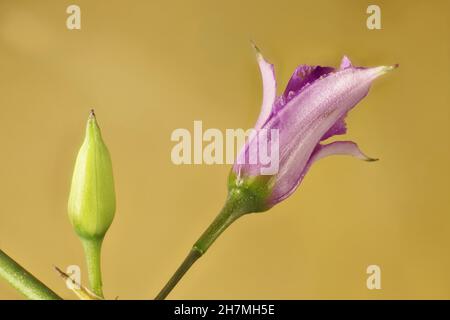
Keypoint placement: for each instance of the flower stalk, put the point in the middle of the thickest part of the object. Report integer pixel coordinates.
(24, 281)
(92, 252)
(229, 213)
(242, 199)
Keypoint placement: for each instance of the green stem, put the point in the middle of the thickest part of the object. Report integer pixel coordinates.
(24, 281)
(232, 210)
(92, 252)
(182, 269)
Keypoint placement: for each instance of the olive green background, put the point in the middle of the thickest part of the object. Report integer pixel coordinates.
(149, 67)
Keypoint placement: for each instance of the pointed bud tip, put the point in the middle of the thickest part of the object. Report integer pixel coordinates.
(254, 46)
(392, 67)
(386, 69)
(92, 122)
(257, 50)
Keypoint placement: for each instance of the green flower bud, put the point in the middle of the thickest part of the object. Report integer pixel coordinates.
(92, 200)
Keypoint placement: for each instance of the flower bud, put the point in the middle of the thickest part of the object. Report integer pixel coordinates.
(92, 200)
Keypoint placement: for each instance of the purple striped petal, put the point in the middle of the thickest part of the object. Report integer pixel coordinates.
(339, 127)
(315, 113)
(309, 116)
(348, 148)
(303, 76)
(269, 88)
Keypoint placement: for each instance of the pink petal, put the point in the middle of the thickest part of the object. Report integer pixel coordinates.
(339, 127)
(309, 117)
(345, 63)
(348, 148)
(269, 88)
(303, 76)
(322, 151)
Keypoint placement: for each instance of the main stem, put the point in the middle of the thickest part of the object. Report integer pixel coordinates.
(182, 269)
(92, 252)
(232, 210)
(23, 281)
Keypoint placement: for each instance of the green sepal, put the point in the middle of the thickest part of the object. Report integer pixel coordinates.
(252, 192)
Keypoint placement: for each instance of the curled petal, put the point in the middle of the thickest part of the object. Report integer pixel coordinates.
(339, 148)
(321, 151)
(269, 88)
(317, 112)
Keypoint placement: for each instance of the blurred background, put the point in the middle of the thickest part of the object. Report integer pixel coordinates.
(149, 67)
